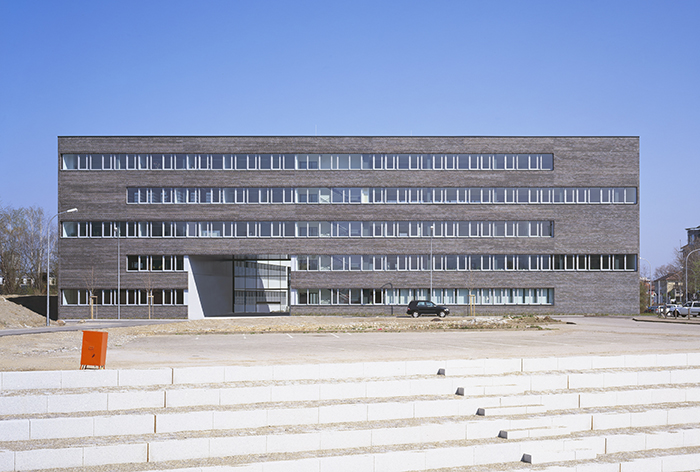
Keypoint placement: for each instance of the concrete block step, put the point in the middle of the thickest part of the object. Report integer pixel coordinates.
(511, 410)
(56, 380)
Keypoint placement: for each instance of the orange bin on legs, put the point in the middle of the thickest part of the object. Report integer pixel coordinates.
(94, 351)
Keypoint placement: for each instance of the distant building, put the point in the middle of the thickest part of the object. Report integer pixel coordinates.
(217, 226)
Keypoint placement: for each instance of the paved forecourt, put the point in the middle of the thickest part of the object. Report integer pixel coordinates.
(604, 394)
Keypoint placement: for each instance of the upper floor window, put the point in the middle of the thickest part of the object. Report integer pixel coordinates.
(306, 161)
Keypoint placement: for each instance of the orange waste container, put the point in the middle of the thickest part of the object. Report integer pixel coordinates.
(94, 351)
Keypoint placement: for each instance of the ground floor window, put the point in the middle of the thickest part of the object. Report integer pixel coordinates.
(72, 296)
(448, 296)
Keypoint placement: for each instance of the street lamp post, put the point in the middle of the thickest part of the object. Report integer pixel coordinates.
(432, 229)
(643, 259)
(686, 273)
(119, 272)
(48, 258)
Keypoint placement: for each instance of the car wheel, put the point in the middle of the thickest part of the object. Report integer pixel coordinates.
(415, 314)
(442, 314)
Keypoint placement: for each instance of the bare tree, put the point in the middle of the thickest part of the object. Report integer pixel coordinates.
(23, 247)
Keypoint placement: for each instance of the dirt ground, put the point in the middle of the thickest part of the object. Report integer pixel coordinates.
(16, 351)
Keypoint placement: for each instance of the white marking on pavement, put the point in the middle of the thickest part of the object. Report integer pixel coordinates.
(335, 335)
(290, 335)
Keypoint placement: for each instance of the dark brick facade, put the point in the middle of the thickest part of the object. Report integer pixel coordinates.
(579, 229)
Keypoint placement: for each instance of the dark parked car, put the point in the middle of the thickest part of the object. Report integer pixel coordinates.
(425, 307)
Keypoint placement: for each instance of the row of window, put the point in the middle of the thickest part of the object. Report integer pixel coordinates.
(126, 297)
(155, 263)
(466, 262)
(447, 296)
(255, 195)
(308, 229)
(429, 161)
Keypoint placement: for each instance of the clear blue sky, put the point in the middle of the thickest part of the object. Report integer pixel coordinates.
(482, 68)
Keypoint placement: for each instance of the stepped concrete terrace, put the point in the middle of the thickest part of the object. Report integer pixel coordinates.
(603, 394)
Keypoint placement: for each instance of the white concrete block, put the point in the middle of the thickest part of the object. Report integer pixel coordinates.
(7, 461)
(692, 394)
(653, 377)
(286, 443)
(237, 446)
(438, 408)
(607, 362)
(501, 366)
(518, 400)
(437, 386)
(389, 411)
(49, 458)
(391, 436)
(539, 364)
(693, 358)
(77, 403)
(647, 464)
(504, 389)
(198, 375)
(340, 439)
(691, 437)
(177, 398)
(144, 377)
(296, 372)
(488, 428)
(667, 395)
(30, 380)
(296, 416)
(347, 413)
(598, 467)
(469, 406)
(464, 367)
(593, 399)
(634, 397)
(640, 360)
(684, 415)
(619, 379)
(14, 430)
(299, 465)
(548, 382)
(573, 422)
(497, 452)
(424, 367)
(399, 461)
(54, 428)
(117, 454)
(295, 393)
(432, 433)
(680, 463)
(240, 419)
(248, 373)
(560, 401)
(24, 405)
(134, 400)
(685, 376)
(586, 380)
(341, 391)
(449, 457)
(350, 370)
(676, 359)
(664, 440)
(603, 421)
(384, 369)
(392, 388)
(191, 421)
(178, 449)
(625, 443)
(574, 363)
(122, 425)
(648, 418)
(244, 395)
(89, 378)
(354, 463)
